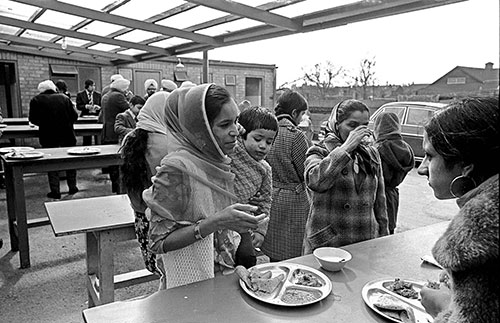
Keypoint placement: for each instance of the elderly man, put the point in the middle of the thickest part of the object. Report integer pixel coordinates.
(54, 114)
(113, 103)
(150, 86)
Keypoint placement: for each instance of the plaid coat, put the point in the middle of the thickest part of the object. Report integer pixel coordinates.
(290, 204)
(339, 214)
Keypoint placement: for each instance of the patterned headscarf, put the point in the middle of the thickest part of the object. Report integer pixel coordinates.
(152, 115)
(46, 85)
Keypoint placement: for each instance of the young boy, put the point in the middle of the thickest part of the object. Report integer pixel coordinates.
(253, 177)
(125, 121)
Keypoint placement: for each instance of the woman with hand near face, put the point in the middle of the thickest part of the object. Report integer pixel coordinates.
(461, 161)
(345, 182)
(191, 204)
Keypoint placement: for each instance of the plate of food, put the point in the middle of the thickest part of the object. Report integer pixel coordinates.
(5, 150)
(24, 155)
(396, 299)
(285, 284)
(83, 151)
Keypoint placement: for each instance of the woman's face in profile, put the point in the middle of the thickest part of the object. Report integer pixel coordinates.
(225, 127)
(355, 119)
(438, 175)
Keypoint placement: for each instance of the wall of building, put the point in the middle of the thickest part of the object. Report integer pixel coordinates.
(31, 70)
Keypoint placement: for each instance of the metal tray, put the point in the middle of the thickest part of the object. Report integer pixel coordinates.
(288, 284)
(374, 288)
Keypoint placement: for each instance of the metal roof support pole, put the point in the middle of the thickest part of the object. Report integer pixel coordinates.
(205, 67)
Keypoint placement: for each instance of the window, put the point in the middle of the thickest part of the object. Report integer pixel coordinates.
(418, 116)
(63, 70)
(180, 76)
(399, 111)
(230, 79)
(455, 80)
(68, 74)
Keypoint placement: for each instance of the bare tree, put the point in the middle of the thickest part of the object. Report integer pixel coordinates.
(366, 75)
(323, 76)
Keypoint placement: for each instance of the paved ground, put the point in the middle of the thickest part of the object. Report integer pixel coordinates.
(53, 289)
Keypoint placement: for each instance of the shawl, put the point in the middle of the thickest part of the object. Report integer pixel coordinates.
(152, 115)
(198, 157)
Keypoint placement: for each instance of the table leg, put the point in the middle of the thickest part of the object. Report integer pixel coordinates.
(106, 266)
(16, 209)
(92, 267)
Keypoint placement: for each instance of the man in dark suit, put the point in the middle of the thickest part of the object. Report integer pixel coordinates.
(113, 102)
(125, 121)
(54, 114)
(88, 102)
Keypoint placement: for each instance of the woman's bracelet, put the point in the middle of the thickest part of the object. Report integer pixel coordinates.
(197, 233)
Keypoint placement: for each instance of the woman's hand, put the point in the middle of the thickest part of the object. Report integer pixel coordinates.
(257, 239)
(239, 218)
(435, 300)
(355, 137)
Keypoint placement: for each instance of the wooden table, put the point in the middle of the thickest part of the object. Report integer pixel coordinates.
(105, 221)
(25, 121)
(55, 159)
(27, 131)
(222, 299)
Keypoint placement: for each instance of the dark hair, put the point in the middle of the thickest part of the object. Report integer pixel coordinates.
(137, 100)
(88, 83)
(216, 97)
(61, 86)
(134, 169)
(466, 131)
(290, 101)
(347, 107)
(257, 118)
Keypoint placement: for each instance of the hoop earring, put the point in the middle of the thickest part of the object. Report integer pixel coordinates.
(461, 185)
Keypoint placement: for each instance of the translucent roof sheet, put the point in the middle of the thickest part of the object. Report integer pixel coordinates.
(117, 31)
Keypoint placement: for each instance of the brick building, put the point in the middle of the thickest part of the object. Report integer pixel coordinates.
(21, 73)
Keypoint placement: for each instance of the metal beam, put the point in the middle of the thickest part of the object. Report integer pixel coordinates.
(41, 43)
(34, 52)
(117, 20)
(80, 35)
(242, 10)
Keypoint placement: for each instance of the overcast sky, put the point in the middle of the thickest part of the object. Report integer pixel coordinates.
(416, 47)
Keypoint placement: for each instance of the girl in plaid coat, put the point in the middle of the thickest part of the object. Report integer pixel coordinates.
(290, 204)
(345, 180)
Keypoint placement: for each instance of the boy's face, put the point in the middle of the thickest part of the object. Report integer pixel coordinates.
(259, 142)
(135, 108)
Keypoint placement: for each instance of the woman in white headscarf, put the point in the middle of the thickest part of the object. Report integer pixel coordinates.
(142, 150)
(191, 203)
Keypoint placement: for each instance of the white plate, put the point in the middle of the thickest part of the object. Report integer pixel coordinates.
(83, 151)
(5, 150)
(3, 125)
(377, 287)
(288, 284)
(24, 155)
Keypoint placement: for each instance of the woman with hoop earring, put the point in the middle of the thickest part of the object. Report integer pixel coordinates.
(461, 161)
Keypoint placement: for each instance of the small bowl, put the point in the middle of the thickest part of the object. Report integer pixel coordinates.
(332, 259)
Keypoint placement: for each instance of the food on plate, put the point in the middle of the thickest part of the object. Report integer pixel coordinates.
(305, 278)
(257, 281)
(394, 308)
(402, 288)
(432, 284)
(299, 296)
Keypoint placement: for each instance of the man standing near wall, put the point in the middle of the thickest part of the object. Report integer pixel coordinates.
(55, 115)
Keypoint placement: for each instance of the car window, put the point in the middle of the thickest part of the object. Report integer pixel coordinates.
(418, 116)
(399, 111)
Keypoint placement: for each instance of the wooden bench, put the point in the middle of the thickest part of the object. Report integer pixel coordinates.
(105, 221)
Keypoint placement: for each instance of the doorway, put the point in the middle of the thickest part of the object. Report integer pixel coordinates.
(9, 100)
